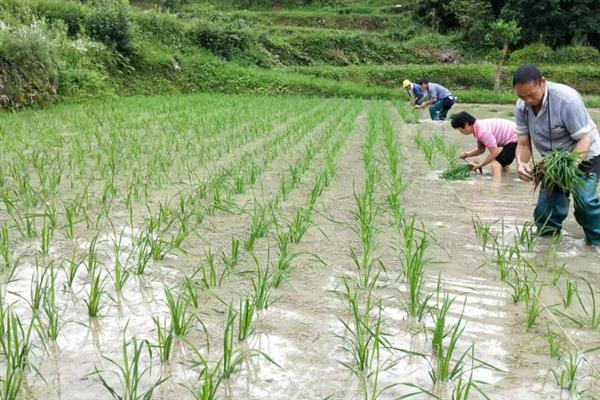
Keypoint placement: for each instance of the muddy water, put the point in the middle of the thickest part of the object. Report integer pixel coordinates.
(298, 331)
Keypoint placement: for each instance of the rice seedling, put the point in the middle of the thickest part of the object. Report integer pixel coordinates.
(559, 172)
(15, 348)
(92, 258)
(94, 300)
(245, 315)
(300, 223)
(439, 314)
(527, 236)
(52, 327)
(181, 320)
(209, 276)
(46, 236)
(566, 378)
(408, 115)
(553, 343)
(484, 232)
(210, 381)
(130, 373)
(532, 302)
(259, 225)
(284, 261)
(233, 358)
(590, 308)
(427, 147)
(5, 249)
(191, 287)
(362, 336)
(143, 255)
(413, 264)
(457, 172)
(232, 260)
(164, 339)
(462, 388)
(261, 285)
(444, 368)
(570, 291)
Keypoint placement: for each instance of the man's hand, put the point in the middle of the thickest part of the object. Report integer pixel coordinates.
(463, 155)
(417, 106)
(524, 171)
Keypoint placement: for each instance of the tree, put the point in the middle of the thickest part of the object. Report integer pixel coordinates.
(505, 33)
(474, 19)
(438, 13)
(555, 22)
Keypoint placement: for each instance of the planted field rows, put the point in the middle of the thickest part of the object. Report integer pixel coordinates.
(229, 247)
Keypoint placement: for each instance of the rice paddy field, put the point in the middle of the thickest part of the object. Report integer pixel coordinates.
(228, 247)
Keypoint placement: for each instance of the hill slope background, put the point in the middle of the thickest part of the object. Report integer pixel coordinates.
(57, 49)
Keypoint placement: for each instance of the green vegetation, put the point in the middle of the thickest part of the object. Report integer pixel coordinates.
(559, 171)
(52, 49)
(457, 173)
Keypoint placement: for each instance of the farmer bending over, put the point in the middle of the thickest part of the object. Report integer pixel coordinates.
(497, 135)
(553, 116)
(416, 94)
(438, 97)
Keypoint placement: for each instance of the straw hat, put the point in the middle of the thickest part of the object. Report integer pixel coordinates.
(406, 83)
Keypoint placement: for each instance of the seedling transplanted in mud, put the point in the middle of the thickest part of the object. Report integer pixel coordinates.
(566, 378)
(588, 304)
(130, 373)
(15, 346)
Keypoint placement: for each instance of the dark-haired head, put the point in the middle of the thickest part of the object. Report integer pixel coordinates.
(527, 73)
(462, 118)
(423, 81)
(530, 85)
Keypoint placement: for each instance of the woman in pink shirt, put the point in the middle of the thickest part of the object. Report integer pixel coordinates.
(497, 135)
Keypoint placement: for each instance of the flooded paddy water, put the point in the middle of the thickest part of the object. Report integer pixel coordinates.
(161, 216)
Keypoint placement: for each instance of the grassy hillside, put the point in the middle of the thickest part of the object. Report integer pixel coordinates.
(52, 49)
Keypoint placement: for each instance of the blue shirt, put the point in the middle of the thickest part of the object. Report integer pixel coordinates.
(435, 91)
(560, 123)
(417, 90)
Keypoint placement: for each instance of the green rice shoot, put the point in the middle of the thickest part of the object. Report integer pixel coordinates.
(459, 172)
(559, 172)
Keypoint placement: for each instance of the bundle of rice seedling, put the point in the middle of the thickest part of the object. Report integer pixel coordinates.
(558, 172)
(457, 172)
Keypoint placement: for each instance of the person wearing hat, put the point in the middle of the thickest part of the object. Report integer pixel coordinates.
(416, 94)
(439, 99)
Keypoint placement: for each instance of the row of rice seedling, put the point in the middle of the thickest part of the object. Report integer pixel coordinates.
(525, 276)
(164, 230)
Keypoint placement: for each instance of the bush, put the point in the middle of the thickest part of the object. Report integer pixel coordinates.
(577, 54)
(109, 22)
(86, 68)
(241, 45)
(537, 53)
(28, 65)
(72, 14)
(165, 28)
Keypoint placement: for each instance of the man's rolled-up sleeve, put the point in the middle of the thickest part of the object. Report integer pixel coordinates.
(522, 127)
(575, 119)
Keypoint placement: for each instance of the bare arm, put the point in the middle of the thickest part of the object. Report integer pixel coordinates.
(427, 103)
(472, 153)
(582, 147)
(493, 153)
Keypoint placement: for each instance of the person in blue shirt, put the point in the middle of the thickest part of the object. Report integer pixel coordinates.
(416, 94)
(438, 97)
